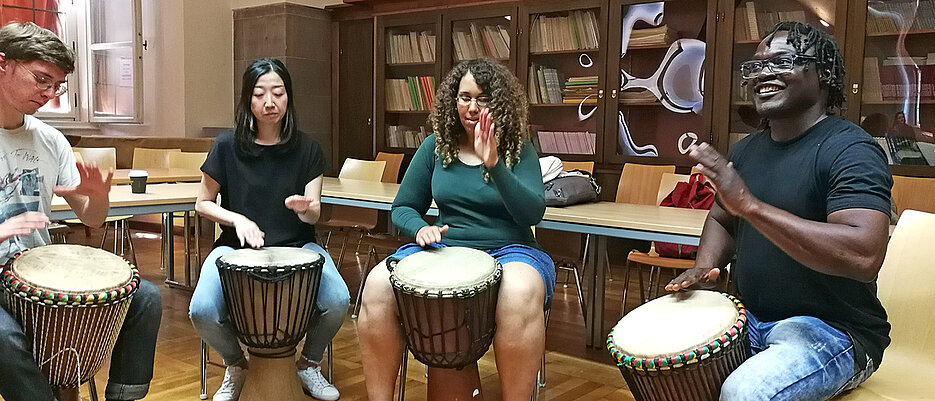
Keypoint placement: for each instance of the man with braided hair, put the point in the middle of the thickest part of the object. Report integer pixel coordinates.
(804, 203)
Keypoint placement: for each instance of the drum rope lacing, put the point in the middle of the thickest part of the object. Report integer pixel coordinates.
(688, 357)
(89, 324)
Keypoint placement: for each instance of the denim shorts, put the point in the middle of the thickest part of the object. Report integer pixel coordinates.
(536, 258)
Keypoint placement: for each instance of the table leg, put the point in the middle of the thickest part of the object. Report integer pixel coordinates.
(167, 247)
(596, 334)
(186, 228)
(589, 275)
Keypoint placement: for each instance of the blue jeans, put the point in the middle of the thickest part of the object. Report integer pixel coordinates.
(131, 364)
(211, 319)
(800, 358)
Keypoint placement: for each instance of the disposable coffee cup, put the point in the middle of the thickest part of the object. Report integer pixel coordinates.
(138, 181)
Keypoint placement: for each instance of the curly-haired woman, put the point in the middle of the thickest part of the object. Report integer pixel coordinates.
(483, 173)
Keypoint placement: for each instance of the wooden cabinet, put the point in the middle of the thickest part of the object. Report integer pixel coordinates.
(617, 81)
(407, 68)
(658, 58)
(743, 25)
(562, 63)
(891, 79)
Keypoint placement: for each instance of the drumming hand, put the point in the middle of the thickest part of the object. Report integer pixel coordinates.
(23, 224)
(249, 232)
(697, 277)
(485, 139)
(430, 234)
(300, 204)
(93, 184)
(731, 190)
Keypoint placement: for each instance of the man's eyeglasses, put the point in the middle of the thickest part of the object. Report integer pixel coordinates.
(45, 84)
(780, 64)
(465, 100)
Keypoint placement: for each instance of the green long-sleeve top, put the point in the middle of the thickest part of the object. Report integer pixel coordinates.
(479, 215)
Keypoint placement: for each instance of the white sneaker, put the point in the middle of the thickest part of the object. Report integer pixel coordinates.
(316, 386)
(234, 377)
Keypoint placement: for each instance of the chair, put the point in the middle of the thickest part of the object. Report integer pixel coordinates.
(393, 162)
(347, 218)
(904, 287)
(144, 158)
(667, 183)
(106, 158)
(586, 166)
(639, 183)
(187, 160)
(914, 193)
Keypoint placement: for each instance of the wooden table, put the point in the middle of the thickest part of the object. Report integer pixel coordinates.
(159, 198)
(159, 175)
(601, 219)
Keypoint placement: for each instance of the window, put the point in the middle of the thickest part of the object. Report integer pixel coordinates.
(50, 15)
(107, 37)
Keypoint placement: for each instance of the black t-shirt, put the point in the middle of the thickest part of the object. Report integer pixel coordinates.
(257, 186)
(834, 165)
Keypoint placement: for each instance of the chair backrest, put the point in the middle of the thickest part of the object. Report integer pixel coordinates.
(914, 193)
(667, 184)
(365, 170)
(105, 158)
(586, 166)
(639, 183)
(393, 163)
(144, 158)
(187, 160)
(905, 284)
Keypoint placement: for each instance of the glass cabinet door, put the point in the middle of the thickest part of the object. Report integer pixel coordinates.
(563, 71)
(752, 20)
(407, 73)
(474, 33)
(897, 100)
(657, 81)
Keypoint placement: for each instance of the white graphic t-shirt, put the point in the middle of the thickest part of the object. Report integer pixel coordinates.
(34, 158)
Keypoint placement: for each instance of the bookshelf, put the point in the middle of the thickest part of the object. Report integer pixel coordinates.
(583, 41)
(896, 95)
(751, 19)
(407, 70)
(563, 68)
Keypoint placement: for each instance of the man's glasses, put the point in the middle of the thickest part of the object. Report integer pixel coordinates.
(780, 64)
(45, 84)
(465, 100)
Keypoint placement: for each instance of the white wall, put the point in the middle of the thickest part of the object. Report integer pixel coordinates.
(188, 73)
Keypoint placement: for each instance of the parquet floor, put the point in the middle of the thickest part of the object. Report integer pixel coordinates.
(573, 371)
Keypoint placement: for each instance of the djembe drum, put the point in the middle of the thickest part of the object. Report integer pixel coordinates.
(447, 301)
(704, 340)
(270, 295)
(71, 301)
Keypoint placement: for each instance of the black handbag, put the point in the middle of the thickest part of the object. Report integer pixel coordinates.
(570, 188)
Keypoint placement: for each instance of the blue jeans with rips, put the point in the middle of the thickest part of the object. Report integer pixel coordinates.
(212, 321)
(800, 358)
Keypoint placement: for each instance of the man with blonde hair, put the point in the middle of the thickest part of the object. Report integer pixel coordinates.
(35, 162)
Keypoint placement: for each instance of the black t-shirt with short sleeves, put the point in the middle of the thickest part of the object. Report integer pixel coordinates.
(257, 186)
(834, 165)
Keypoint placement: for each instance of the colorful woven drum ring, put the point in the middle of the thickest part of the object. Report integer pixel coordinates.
(705, 340)
(447, 300)
(71, 301)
